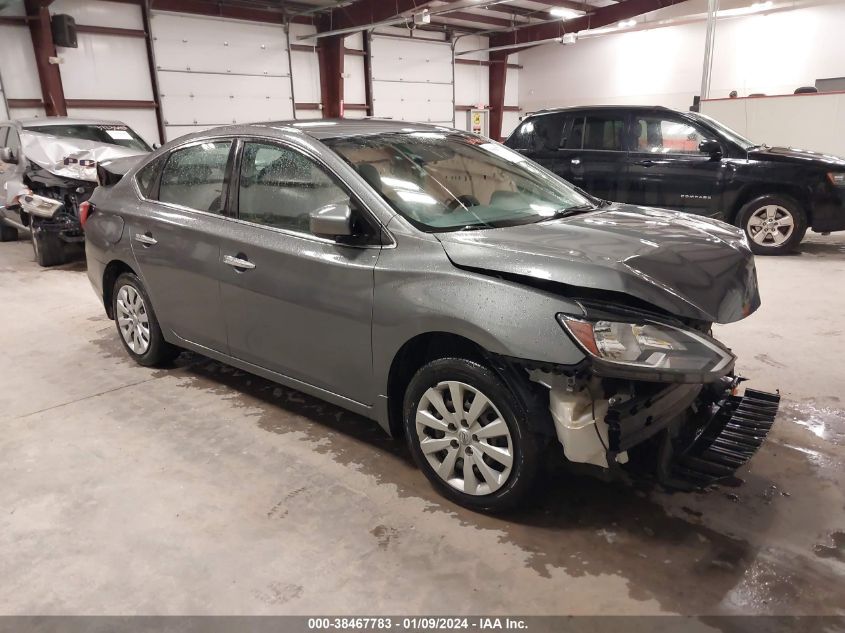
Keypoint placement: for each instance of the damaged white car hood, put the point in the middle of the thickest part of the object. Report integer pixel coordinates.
(68, 157)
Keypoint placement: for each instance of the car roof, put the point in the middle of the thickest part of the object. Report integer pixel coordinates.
(600, 107)
(338, 128)
(62, 120)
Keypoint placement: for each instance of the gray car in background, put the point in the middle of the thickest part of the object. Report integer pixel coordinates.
(47, 170)
(443, 285)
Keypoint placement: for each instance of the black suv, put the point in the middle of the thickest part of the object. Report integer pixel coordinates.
(686, 161)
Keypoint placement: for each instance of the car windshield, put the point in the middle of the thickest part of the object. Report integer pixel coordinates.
(110, 134)
(732, 135)
(448, 181)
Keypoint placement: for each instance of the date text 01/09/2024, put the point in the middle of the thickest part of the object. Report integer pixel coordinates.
(416, 623)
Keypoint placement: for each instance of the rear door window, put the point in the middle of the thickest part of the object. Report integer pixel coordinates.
(659, 135)
(195, 176)
(603, 132)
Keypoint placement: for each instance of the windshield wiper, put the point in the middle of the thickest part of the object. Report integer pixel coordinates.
(567, 211)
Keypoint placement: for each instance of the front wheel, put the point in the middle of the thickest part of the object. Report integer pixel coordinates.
(137, 324)
(774, 225)
(470, 435)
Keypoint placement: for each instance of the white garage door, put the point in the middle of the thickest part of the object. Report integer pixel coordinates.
(213, 71)
(412, 79)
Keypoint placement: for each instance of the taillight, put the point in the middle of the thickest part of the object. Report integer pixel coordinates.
(85, 211)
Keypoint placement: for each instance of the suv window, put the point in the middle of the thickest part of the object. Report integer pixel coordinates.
(195, 176)
(280, 187)
(147, 177)
(543, 133)
(665, 136)
(603, 131)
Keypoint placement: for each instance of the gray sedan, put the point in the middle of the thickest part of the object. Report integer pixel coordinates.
(443, 285)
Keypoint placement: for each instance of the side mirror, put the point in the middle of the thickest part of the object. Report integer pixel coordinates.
(7, 155)
(156, 146)
(333, 220)
(710, 146)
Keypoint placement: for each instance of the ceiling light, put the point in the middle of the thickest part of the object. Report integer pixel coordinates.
(566, 14)
(624, 24)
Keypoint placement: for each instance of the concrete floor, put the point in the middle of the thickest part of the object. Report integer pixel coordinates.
(205, 490)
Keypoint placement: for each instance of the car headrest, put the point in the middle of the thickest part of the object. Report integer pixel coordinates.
(370, 174)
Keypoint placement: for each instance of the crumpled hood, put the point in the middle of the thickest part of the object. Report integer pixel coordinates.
(691, 266)
(70, 157)
(797, 156)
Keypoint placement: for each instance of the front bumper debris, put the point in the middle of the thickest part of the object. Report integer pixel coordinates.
(731, 437)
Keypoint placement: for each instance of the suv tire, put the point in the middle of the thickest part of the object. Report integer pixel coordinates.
(48, 248)
(483, 454)
(773, 224)
(137, 324)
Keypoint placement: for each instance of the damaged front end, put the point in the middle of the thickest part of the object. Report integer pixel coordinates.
(655, 397)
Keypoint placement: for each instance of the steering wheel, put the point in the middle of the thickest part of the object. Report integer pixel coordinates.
(463, 201)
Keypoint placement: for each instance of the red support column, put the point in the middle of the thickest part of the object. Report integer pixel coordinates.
(52, 92)
(498, 73)
(330, 54)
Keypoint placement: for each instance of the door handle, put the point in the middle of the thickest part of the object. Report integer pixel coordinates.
(646, 163)
(146, 239)
(239, 262)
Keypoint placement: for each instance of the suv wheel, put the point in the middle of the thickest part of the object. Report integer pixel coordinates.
(48, 248)
(137, 324)
(774, 225)
(469, 435)
(8, 233)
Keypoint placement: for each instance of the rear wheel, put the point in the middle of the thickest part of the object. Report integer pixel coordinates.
(48, 247)
(470, 435)
(137, 324)
(8, 233)
(774, 225)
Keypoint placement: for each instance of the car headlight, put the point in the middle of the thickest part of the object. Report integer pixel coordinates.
(648, 348)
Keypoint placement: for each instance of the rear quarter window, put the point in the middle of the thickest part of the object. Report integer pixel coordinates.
(147, 178)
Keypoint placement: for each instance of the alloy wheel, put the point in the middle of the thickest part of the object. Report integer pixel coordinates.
(771, 225)
(132, 319)
(464, 438)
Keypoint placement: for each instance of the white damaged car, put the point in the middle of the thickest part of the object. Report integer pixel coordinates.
(48, 167)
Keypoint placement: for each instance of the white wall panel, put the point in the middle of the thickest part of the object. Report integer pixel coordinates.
(412, 79)
(814, 122)
(662, 66)
(200, 44)
(120, 15)
(106, 67)
(472, 85)
(306, 77)
(408, 101)
(209, 99)
(175, 131)
(142, 120)
(397, 59)
(17, 63)
(354, 79)
(214, 71)
(27, 113)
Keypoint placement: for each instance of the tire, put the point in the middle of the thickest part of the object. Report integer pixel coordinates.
(492, 485)
(48, 248)
(774, 225)
(8, 233)
(137, 325)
